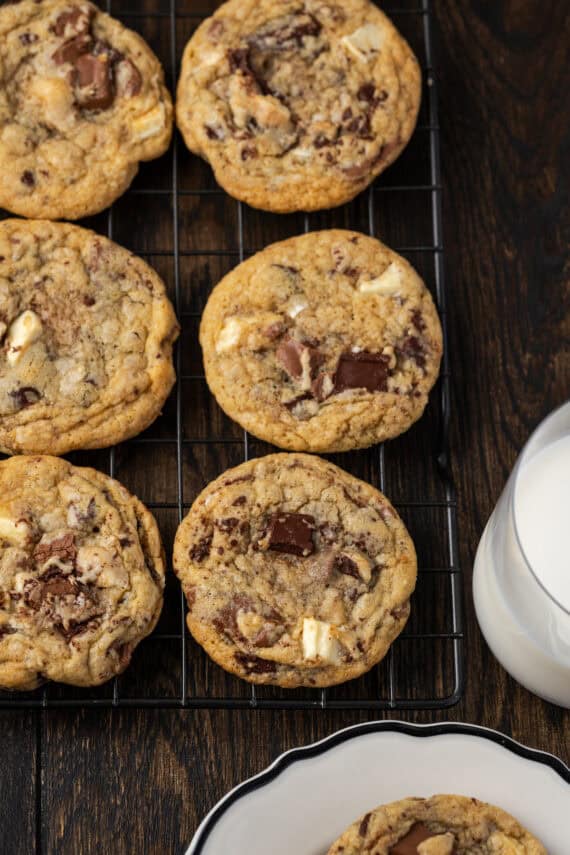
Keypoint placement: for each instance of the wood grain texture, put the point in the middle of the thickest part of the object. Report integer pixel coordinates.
(140, 781)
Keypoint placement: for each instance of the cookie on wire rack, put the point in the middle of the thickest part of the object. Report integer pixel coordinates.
(328, 341)
(297, 105)
(295, 572)
(81, 574)
(82, 102)
(86, 336)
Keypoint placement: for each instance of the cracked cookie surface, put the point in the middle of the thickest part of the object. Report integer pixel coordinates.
(440, 825)
(295, 572)
(81, 574)
(328, 341)
(82, 102)
(86, 335)
(297, 105)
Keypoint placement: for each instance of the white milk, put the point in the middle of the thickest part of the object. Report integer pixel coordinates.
(542, 517)
(523, 612)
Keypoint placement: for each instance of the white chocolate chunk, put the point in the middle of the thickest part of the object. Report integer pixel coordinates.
(22, 333)
(97, 565)
(318, 641)
(229, 336)
(14, 531)
(150, 124)
(389, 282)
(249, 623)
(364, 42)
(232, 333)
(502, 845)
(306, 374)
(295, 306)
(441, 844)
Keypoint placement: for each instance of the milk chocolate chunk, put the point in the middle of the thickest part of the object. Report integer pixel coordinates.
(408, 845)
(93, 75)
(254, 664)
(412, 348)
(291, 354)
(62, 548)
(71, 50)
(347, 566)
(362, 370)
(292, 533)
(73, 22)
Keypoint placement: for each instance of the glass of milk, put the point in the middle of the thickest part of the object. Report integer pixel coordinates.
(521, 577)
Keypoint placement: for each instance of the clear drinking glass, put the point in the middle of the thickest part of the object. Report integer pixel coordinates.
(524, 610)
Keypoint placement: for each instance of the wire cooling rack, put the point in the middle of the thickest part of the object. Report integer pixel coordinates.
(177, 218)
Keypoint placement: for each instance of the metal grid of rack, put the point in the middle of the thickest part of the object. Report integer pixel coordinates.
(169, 670)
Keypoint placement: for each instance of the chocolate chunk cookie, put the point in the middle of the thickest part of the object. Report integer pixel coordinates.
(86, 334)
(441, 825)
(81, 574)
(295, 573)
(297, 104)
(324, 342)
(82, 102)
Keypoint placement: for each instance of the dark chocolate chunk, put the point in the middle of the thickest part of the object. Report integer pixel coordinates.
(89, 301)
(241, 500)
(213, 133)
(28, 38)
(408, 845)
(361, 370)
(239, 60)
(227, 524)
(321, 141)
(413, 348)
(201, 549)
(248, 152)
(6, 629)
(226, 619)
(292, 533)
(290, 405)
(25, 396)
(76, 627)
(363, 827)
(418, 321)
(366, 92)
(254, 664)
(287, 268)
(28, 178)
(347, 566)
(360, 126)
(286, 33)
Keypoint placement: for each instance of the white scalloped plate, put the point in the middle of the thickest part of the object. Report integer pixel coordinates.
(309, 795)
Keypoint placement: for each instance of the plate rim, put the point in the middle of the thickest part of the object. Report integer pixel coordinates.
(314, 749)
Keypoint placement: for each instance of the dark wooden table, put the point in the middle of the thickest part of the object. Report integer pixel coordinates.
(139, 781)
